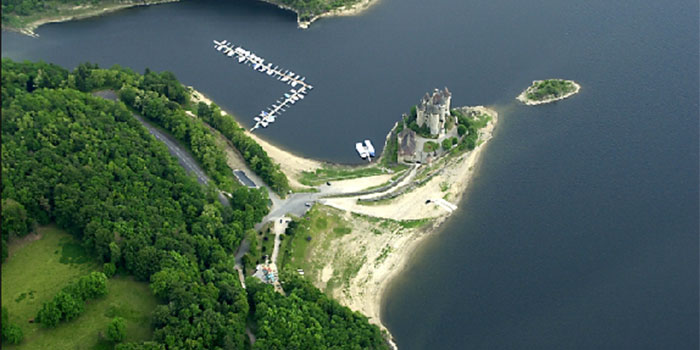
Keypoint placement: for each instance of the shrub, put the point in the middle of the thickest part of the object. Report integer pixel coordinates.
(109, 269)
(116, 330)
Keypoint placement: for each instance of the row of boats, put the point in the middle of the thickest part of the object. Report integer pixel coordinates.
(299, 86)
(365, 150)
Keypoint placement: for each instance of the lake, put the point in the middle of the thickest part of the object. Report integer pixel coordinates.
(580, 228)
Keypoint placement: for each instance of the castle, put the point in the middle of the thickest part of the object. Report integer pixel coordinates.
(434, 110)
(433, 115)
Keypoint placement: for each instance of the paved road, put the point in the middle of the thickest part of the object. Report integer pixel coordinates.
(182, 155)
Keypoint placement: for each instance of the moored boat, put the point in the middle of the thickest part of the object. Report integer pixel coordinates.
(369, 147)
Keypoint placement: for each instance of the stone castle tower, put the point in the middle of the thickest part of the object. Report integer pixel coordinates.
(434, 111)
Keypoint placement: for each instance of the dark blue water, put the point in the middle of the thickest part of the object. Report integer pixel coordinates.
(580, 229)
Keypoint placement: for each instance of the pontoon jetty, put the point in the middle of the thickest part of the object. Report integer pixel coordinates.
(299, 86)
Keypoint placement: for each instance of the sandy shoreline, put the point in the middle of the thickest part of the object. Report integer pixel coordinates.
(29, 29)
(523, 95)
(291, 164)
(366, 289)
(371, 282)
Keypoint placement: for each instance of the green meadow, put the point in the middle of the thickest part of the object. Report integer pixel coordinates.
(38, 268)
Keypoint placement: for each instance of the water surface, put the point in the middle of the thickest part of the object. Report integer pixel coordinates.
(580, 229)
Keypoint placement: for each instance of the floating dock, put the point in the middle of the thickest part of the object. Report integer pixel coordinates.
(299, 86)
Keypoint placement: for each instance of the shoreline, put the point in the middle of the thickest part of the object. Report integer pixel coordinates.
(523, 95)
(31, 26)
(354, 10)
(368, 287)
(372, 283)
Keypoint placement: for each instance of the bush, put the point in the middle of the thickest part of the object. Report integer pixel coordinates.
(109, 269)
(11, 333)
(461, 130)
(446, 144)
(116, 330)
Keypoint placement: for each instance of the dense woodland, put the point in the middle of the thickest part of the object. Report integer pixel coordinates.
(86, 164)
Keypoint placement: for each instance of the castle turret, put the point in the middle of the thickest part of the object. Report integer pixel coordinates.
(434, 110)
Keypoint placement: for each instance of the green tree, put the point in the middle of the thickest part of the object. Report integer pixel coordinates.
(461, 129)
(49, 314)
(447, 144)
(109, 269)
(11, 333)
(14, 218)
(116, 330)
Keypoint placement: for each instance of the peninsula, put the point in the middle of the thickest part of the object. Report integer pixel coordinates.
(309, 11)
(547, 91)
(365, 222)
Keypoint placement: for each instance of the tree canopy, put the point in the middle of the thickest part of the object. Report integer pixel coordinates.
(86, 164)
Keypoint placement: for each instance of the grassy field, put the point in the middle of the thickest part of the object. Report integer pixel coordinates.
(334, 173)
(38, 268)
(316, 229)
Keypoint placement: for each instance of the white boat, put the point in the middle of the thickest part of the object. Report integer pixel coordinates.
(230, 53)
(264, 124)
(361, 150)
(300, 96)
(241, 59)
(369, 147)
(285, 78)
(287, 95)
(257, 119)
(294, 83)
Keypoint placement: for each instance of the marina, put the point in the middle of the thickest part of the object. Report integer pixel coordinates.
(299, 86)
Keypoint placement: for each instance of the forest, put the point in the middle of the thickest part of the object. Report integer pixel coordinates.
(87, 165)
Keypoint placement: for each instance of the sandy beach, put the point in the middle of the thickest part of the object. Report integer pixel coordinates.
(291, 164)
(366, 291)
(523, 95)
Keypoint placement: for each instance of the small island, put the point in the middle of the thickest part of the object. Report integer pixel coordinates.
(550, 90)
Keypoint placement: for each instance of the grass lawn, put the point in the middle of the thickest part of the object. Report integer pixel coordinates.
(37, 269)
(320, 223)
(334, 173)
